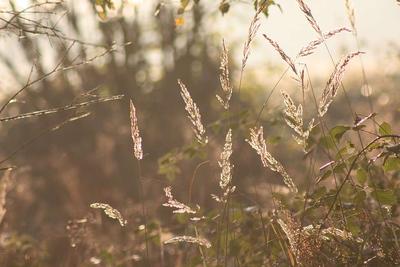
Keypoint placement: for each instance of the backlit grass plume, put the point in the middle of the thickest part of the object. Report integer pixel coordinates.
(137, 140)
(193, 114)
(253, 29)
(173, 203)
(310, 47)
(189, 239)
(333, 83)
(110, 212)
(224, 78)
(181, 208)
(225, 163)
(4, 187)
(293, 116)
(257, 142)
(307, 12)
(226, 166)
(283, 55)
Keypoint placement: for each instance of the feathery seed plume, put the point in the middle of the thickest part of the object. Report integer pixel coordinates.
(173, 203)
(253, 29)
(294, 119)
(189, 239)
(224, 78)
(224, 163)
(283, 55)
(226, 172)
(307, 12)
(110, 212)
(4, 186)
(309, 49)
(193, 114)
(333, 83)
(137, 140)
(257, 142)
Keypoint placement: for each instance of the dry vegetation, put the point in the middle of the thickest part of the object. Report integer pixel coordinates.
(256, 207)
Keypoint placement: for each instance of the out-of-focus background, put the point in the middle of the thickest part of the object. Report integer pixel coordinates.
(59, 172)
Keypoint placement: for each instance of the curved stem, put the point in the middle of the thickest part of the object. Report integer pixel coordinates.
(141, 195)
(194, 178)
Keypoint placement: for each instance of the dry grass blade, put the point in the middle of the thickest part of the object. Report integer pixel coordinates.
(257, 142)
(110, 212)
(351, 15)
(194, 114)
(5, 183)
(293, 116)
(60, 109)
(283, 55)
(333, 83)
(137, 140)
(307, 12)
(189, 239)
(173, 203)
(224, 78)
(309, 49)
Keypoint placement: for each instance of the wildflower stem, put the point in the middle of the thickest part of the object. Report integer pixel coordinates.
(141, 196)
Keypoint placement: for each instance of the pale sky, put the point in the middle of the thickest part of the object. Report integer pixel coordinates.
(377, 23)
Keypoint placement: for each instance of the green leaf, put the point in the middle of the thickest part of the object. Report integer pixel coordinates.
(324, 176)
(267, 4)
(318, 193)
(384, 197)
(385, 128)
(392, 164)
(361, 176)
(168, 165)
(353, 226)
(327, 142)
(347, 150)
(337, 132)
(360, 197)
(339, 168)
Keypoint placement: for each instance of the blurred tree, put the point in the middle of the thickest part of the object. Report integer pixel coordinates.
(91, 160)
